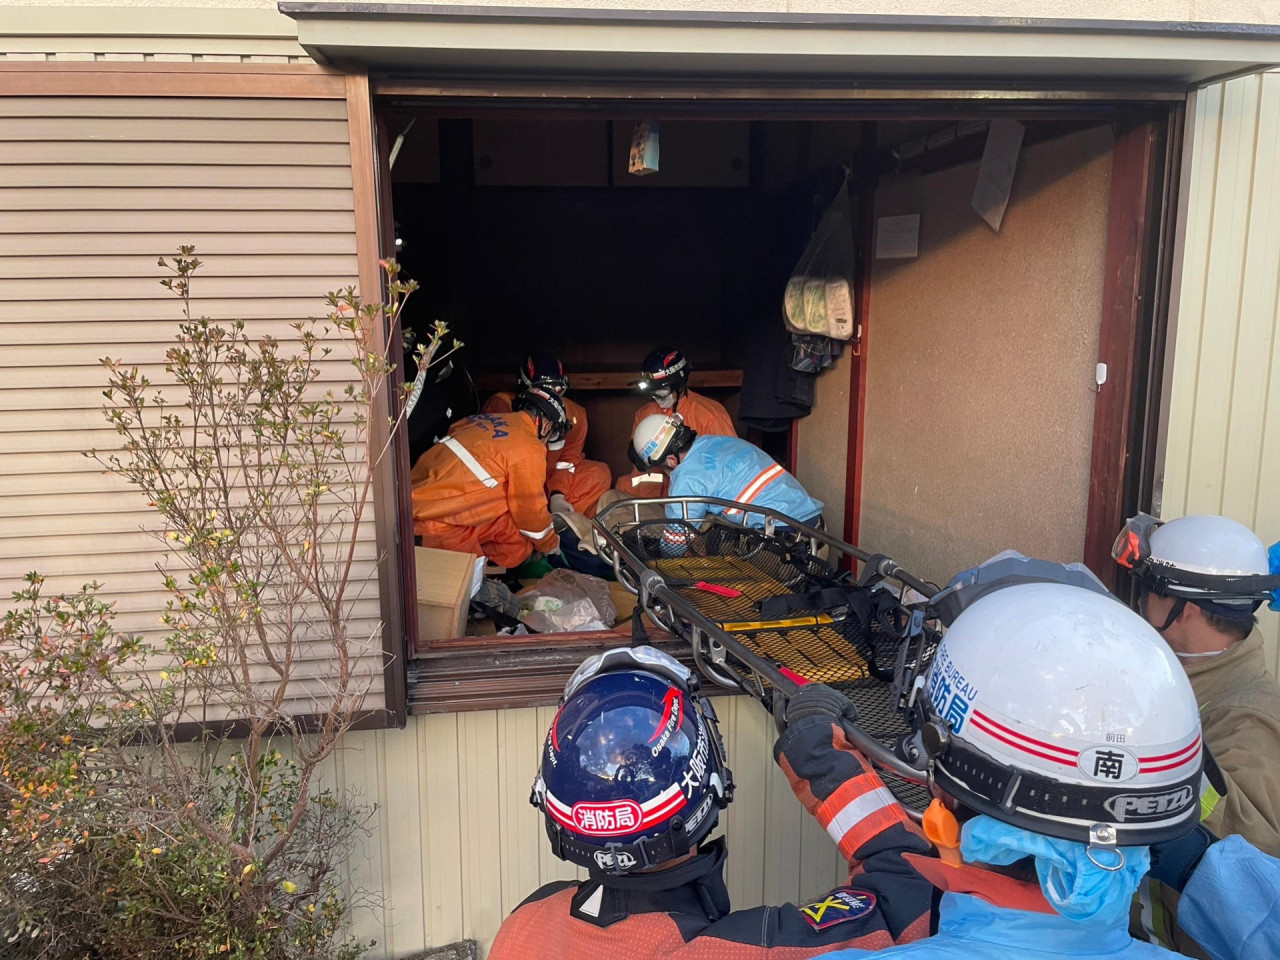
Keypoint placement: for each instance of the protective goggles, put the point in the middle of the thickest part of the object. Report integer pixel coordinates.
(1132, 550)
(649, 659)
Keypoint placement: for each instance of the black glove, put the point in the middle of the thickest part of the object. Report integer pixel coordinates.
(1172, 863)
(819, 700)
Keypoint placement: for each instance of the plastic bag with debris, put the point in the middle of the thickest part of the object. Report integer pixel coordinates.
(565, 601)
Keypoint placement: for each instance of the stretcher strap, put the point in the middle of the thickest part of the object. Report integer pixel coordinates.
(470, 462)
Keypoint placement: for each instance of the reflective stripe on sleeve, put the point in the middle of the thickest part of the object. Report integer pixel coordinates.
(566, 465)
(752, 489)
(646, 478)
(538, 535)
(470, 462)
(858, 810)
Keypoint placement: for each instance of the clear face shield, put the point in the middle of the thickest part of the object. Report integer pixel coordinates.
(624, 658)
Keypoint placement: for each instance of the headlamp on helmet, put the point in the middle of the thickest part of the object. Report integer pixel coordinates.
(1212, 561)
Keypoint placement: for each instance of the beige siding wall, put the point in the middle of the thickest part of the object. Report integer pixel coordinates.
(92, 191)
(456, 845)
(1223, 446)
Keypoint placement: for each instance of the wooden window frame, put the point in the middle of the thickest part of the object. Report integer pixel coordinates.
(284, 81)
(484, 673)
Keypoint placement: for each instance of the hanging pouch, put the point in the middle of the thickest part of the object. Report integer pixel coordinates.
(818, 300)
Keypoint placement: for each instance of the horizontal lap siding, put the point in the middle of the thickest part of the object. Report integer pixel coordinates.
(92, 191)
(1223, 446)
(456, 846)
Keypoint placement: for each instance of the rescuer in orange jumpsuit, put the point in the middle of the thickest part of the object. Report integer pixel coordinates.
(664, 378)
(573, 481)
(481, 490)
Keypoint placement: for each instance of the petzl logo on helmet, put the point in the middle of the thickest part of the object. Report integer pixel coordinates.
(603, 819)
(672, 714)
(1149, 806)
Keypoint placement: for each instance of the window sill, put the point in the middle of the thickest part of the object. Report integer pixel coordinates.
(499, 673)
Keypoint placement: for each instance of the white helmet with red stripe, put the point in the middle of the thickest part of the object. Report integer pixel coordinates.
(1067, 715)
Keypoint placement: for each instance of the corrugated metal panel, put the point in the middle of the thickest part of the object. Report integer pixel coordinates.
(93, 189)
(456, 846)
(1223, 452)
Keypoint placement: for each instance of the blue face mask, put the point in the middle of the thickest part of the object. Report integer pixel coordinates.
(1273, 555)
(1073, 884)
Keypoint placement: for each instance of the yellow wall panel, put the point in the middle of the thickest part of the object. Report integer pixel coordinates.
(1223, 446)
(455, 845)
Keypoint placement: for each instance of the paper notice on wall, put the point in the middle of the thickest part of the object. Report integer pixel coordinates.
(898, 238)
(995, 173)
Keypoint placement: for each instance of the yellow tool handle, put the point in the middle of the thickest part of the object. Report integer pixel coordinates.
(817, 621)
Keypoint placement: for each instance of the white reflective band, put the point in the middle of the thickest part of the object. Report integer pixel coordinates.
(538, 535)
(857, 810)
(646, 478)
(470, 462)
(566, 465)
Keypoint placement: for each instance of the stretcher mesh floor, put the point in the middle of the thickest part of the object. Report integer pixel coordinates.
(853, 657)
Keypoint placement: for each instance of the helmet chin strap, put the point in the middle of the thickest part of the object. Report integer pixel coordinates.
(1179, 604)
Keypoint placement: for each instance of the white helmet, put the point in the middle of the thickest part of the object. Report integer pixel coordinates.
(1212, 561)
(1057, 709)
(658, 436)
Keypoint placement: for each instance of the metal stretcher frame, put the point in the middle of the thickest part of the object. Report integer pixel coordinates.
(709, 640)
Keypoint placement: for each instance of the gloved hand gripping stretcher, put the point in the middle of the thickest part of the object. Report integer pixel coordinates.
(767, 610)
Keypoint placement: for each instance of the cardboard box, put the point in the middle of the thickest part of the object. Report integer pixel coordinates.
(444, 593)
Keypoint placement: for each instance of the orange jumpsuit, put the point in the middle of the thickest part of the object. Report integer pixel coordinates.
(707, 417)
(569, 472)
(481, 490)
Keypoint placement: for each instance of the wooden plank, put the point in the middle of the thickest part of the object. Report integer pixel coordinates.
(359, 771)
(136, 288)
(174, 108)
(124, 267)
(550, 867)
(173, 198)
(616, 380)
(1129, 221)
(1252, 368)
(481, 843)
(1224, 279)
(387, 524)
(104, 79)
(781, 833)
(251, 130)
(192, 222)
(1191, 306)
(405, 888)
(202, 176)
(234, 153)
(147, 246)
(865, 212)
(520, 826)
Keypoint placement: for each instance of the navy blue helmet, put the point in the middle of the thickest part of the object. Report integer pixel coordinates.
(632, 772)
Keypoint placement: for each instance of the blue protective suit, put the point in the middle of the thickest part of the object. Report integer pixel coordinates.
(970, 928)
(1231, 904)
(733, 469)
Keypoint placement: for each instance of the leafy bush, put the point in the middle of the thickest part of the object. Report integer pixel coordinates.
(123, 836)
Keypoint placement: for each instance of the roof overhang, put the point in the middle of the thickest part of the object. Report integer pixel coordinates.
(438, 40)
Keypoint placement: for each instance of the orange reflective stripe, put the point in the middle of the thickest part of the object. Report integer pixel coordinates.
(762, 480)
(857, 810)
